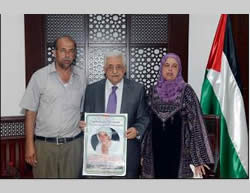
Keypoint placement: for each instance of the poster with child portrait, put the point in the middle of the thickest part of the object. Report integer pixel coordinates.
(105, 144)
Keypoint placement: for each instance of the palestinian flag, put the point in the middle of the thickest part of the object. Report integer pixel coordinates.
(222, 95)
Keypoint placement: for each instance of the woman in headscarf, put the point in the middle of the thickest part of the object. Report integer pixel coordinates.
(177, 136)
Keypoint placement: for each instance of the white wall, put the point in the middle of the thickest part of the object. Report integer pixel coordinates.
(12, 63)
(202, 28)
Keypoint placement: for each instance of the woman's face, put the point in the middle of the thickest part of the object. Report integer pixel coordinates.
(103, 136)
(170, 69)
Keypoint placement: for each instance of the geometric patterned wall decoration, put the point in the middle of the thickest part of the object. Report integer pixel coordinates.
(50, 57)
(96, 61)
(141, 37)
(107, 28)
(149, 28)
(80, 57)
(144, 64)
(12, 128)
(66, 24)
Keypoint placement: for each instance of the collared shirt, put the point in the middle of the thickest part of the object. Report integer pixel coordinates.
(119, 91)
(108, 90)
(57, 104)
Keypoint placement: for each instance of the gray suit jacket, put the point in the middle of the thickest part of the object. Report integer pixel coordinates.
(134, 104)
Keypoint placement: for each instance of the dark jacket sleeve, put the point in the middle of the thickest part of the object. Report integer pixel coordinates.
(142, 117)
(87, 104)
(147, 167)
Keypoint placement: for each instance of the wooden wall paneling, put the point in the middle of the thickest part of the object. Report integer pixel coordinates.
(13, 158)
(22, 164)
(178, 39)
(213, 128)
(12, 153)
(3, 158)
(13, 149)
(34, 43)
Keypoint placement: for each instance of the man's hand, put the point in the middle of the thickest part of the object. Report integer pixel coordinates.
(131, 133)
(30, 150)
(30, 154)
(82, 125)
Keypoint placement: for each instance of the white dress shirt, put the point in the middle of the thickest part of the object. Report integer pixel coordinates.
(119, 90)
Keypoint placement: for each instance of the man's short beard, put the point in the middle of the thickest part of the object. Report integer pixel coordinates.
(65, 66)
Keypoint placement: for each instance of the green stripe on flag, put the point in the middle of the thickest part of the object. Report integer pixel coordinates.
(228, 157)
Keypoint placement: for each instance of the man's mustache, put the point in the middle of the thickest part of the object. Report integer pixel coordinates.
(67, 59)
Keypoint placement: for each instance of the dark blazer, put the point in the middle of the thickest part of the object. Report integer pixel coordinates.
(134, 104)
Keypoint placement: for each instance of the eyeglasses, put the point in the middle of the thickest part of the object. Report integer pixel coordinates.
(64, 51)
(117, 68)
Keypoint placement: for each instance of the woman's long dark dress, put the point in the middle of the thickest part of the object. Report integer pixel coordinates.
(167, 146)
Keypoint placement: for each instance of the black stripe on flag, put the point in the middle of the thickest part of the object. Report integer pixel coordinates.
(230, 52)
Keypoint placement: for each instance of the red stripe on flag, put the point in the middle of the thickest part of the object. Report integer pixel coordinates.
(214, 61)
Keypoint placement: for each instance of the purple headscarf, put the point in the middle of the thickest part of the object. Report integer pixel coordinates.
(168, 90)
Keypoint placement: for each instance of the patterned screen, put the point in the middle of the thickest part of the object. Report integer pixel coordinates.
(149, 29)
(144, 64)
(10, 128)
(66, 24)
(142, 39)
(50, 56)
(107, 28)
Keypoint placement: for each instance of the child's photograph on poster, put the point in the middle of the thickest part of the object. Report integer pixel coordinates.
(105, 146)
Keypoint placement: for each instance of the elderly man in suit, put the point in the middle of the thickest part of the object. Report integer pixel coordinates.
(129, 97)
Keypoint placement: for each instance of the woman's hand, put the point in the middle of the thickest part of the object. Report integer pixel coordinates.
(200, 170)
(142, 161)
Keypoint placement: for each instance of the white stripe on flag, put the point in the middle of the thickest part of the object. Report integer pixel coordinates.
(231, 102)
